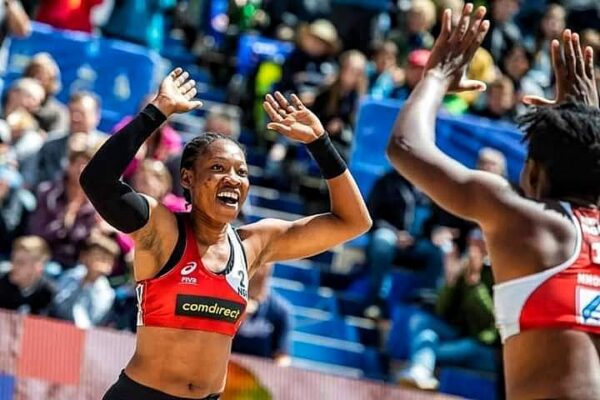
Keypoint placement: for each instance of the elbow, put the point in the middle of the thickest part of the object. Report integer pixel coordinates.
(362, 225)
(395, 149)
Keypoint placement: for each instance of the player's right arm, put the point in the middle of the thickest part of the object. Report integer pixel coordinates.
(152, 226)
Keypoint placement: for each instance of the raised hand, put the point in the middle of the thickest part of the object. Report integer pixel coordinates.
(455, 46)
(176, 94)
(574, 71)
(294, 120)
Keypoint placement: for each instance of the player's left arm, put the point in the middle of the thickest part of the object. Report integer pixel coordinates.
(473, 195)
(276, 240)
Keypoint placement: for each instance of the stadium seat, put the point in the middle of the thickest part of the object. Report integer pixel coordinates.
(335, 328)
(120, 73)
(309, 298)
(398, 342)
(253, 49)
(404, 284)
(302, 272)
(466, 383)
(337, 352)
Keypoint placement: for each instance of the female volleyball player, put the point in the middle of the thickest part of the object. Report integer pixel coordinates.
(544, 246)
(193, 269)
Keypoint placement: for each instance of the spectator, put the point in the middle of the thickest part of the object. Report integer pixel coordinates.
(517, 66)
(499, 102)
(26, 94)
(311, 64)
(420, 19)
(392, 205)
(491, 160)
(139, 21)
(64, 216)
(16, 204)
(337, 105)
(463, 332)
(84, 117)
(24, 288)
(383, 70)
(503, 33)
(84, 294)
(550, 27)
(52, 115)
(266, 330)
(153, 179)
(356, 19)
(25, 138)
(68, 14)
(416, 62)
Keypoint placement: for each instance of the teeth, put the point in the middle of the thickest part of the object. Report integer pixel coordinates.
(230, 195)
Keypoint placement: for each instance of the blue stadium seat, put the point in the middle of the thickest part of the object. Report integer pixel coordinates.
(309, 298)
(299, 272)
(337, 352)
(404, 285)
(397, 345)
(253, 49)
(120, 73)
(467, 383)
(335, 328)
(460, 137)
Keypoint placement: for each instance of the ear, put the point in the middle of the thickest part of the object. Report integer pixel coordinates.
(186, 178)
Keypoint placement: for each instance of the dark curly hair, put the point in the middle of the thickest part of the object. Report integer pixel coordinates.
(196, 147)
(565, 139)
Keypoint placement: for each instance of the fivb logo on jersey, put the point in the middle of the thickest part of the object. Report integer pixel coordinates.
(186, 271)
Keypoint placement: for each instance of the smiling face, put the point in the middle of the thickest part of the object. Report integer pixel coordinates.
(218, 181)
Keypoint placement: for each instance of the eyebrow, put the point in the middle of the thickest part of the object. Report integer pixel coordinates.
(217, 158)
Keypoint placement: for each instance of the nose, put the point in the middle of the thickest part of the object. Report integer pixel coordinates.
(233, 178)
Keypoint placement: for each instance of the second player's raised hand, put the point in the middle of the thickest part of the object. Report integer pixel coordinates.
(455, 46)
(574, 72)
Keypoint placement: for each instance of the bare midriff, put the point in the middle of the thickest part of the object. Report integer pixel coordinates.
(183, 363)
(552, 364)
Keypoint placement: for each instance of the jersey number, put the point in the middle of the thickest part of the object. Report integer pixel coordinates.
(242, 277)
(596, 253)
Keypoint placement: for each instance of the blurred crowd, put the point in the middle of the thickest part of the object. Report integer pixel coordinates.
(62, 260)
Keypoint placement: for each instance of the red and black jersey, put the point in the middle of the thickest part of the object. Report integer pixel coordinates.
(189, 296)
(566, 296)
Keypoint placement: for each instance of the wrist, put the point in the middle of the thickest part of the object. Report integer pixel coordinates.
(164, 105)
(319, 133)
(327, 157)
(437, 74)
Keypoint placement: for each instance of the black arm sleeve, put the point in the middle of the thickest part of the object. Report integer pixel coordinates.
(115, 201)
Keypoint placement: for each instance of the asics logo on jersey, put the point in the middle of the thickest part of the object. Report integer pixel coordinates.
(189, 268)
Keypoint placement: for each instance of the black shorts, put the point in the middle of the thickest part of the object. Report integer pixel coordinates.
(127, 389)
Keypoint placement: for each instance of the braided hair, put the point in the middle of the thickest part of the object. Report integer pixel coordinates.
(565, 139)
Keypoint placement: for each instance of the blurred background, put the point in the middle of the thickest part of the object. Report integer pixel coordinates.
(406, 306)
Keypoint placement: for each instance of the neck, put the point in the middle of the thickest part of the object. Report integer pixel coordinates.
(207, 231)
(91, 277)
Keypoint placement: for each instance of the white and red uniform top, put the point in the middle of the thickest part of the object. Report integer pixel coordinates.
(189, 296)
(564, 297)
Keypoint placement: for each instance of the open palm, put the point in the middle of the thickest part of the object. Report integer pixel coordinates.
(294, 120)
(176, 93)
